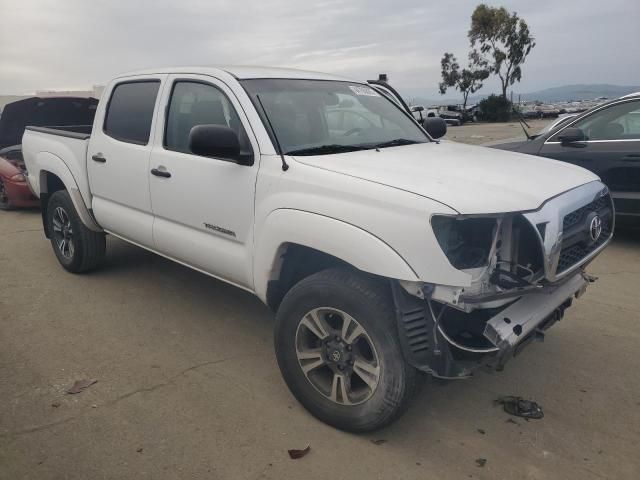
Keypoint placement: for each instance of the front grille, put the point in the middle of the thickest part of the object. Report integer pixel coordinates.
(577, 215)
(572, 255)
(576, 240)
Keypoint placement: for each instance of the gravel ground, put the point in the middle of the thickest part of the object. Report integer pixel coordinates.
(188, 385)
(481, 133)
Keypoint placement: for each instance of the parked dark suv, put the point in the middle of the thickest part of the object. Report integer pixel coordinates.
(605, 140)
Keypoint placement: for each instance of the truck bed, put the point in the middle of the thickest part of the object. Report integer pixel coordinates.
(60, 150)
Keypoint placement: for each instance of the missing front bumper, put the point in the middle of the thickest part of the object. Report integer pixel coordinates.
(456, 345)
(507, 329)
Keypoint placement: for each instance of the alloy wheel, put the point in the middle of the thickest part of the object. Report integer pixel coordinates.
(63, 232)
(337, 356)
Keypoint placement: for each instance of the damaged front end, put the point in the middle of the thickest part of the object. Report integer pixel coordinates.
(525, 269)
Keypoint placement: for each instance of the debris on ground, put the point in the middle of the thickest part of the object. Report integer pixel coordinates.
(481, 462)
(80, 386)
(295, 454)
(511, 420)
(520, 407)
(379, 441)
(139, 450)
(481, 431)
(56, 404)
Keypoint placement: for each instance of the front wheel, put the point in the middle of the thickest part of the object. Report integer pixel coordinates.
(78, 249)
(338, 350)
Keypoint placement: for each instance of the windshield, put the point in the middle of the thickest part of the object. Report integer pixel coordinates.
(319, 117)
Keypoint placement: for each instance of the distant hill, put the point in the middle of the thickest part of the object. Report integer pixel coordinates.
(554, 94)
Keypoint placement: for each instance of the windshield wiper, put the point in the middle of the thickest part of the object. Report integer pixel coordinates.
(397, 142)
(326, 149)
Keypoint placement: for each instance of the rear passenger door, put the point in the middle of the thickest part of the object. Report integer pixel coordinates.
(118, 158)
(203, 206)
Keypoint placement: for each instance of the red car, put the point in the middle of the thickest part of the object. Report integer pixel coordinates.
(43, 112)
(14, 190)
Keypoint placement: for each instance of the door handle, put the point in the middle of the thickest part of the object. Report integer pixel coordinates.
(632, 157)
(160, 173)
(98, 158)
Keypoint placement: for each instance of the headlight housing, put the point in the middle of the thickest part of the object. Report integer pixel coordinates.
(465, 241)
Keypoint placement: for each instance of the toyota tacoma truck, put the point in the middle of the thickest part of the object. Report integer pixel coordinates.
(384, 251)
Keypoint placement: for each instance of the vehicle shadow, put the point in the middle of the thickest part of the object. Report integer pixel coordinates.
(25, 211)
(157, 273)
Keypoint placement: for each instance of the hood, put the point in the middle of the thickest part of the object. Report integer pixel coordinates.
(43, 112)
(469, 179)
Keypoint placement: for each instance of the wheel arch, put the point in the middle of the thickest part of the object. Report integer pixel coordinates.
(293, 244)
(54, 175)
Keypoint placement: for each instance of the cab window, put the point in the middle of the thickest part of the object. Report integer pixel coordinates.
(130, 111)
(196, 103)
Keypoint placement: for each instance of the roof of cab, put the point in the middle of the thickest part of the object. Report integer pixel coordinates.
(241, 72)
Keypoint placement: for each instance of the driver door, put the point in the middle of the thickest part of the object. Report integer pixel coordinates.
(203, 207)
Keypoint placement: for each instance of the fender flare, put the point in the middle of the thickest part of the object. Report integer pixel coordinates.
(343, 240)
(50, 163)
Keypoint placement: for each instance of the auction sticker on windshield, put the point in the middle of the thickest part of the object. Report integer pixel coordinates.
(362, 90)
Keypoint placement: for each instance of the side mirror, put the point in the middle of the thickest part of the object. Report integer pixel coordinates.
(435, 126)
(572, 134)
(419, 108)
(215, 141)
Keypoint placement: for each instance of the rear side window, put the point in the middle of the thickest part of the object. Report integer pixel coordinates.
(130, 111)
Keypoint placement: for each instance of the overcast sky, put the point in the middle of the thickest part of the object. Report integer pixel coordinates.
(69, 44)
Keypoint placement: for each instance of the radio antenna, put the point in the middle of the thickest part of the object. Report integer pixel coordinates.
(285, 165)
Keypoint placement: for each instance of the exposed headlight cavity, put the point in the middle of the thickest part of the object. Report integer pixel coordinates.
(465, 241)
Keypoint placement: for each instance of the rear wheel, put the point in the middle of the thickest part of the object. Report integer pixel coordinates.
(337, 347)
(5, 203)
(77, 248)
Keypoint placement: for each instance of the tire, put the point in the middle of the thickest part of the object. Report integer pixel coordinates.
(5, 203)
(84, 249)
(329, 295)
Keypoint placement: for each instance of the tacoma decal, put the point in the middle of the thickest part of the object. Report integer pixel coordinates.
(218, 229)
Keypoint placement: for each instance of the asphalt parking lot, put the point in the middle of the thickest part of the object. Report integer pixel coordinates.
(188, 385)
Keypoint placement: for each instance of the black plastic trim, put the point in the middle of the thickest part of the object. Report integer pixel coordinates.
(418, 339)
(60, 133)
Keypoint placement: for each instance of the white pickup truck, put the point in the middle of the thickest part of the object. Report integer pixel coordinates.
(384, 251)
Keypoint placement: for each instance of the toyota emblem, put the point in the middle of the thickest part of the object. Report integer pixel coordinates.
(595, 228)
